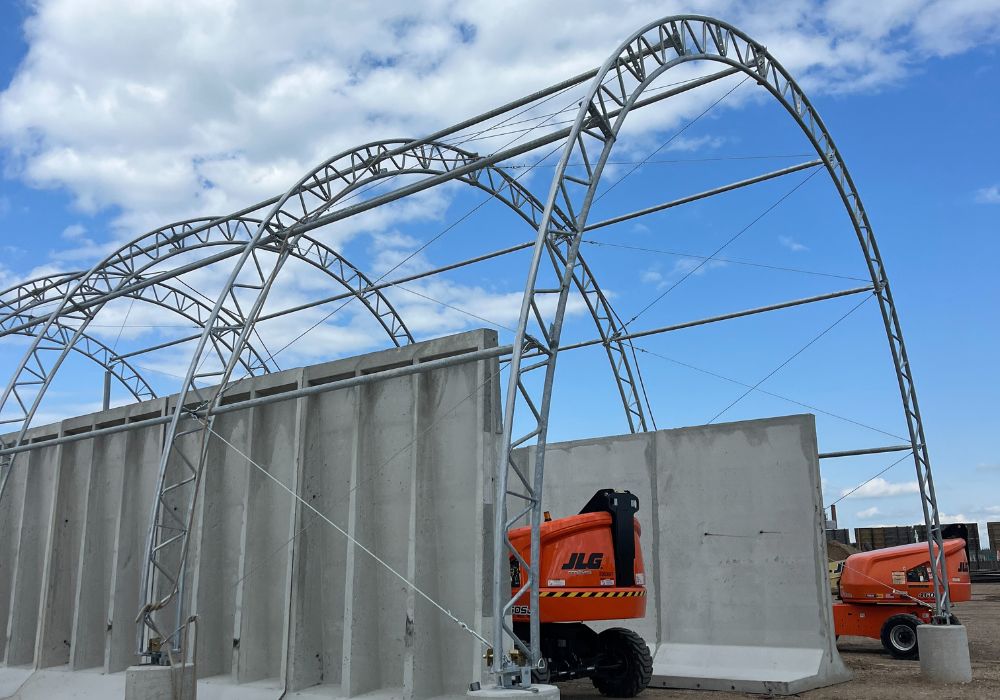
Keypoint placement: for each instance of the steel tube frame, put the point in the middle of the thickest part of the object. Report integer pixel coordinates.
(865, 451)
(616, 88)
(306, 202)
(137, 286)
(724, 317)
(691, 37)
(370, 378)
(705, 194)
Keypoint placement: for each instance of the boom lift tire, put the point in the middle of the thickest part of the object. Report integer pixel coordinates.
(899, 636)
(634, 665)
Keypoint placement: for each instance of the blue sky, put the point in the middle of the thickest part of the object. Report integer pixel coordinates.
(117, 117)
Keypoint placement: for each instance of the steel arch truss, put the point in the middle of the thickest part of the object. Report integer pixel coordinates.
(360, 179)
(60, 338)
(615, 90)
(70, 317)
(312, 197)
(93, 349)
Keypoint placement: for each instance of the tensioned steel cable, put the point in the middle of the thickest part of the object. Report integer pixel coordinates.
(377, 471)
(455, 308)
(416, 589)
(207, 298)
(871, 479)
(575, 105)
(749, 263)
(794, 355)
(718, 250)
(663, 161)
(672, 137)
(767, 393)
(121, 330)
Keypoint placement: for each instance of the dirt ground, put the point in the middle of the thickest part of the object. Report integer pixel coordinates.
(877, 675)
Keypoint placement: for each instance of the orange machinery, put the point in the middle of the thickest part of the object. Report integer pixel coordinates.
(886, 593)
(591, 569)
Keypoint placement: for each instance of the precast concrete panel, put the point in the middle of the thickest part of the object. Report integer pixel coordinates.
(38, 490)
(284, 601)
(734, 545)
(96, 565)
(138, 489)
(58, 585)
(219, 553)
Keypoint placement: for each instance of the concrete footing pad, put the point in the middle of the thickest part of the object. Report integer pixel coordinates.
(745, 669)
(537, 691)
(944, 653)
(160, 682)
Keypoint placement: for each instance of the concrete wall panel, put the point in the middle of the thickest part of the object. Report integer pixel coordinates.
(328, 459)
(96, 563)
(142, 447)
(734, 546)
(284, 601)
(220, 537)
(38, 490)
(65, 538)
(264, 603)
(11, 521)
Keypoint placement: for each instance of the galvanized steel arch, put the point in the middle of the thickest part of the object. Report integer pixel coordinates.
(614, 91)
(128, 280)
(16, 321)
(93, 349)
(430, 158)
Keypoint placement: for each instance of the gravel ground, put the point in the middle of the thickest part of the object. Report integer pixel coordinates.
(877, 675)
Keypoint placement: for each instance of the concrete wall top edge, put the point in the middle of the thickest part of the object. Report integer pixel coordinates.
(805, 420)
(456, 343)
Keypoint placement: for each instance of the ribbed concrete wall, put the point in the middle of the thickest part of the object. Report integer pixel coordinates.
(284, 602)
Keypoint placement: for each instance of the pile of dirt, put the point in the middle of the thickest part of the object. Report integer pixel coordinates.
(837, 551)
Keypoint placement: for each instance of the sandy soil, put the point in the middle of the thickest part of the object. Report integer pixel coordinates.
(877, 675)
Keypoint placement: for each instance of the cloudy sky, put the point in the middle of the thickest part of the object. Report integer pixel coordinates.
(118, 117)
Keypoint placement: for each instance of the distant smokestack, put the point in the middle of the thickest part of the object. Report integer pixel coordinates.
(833, 515)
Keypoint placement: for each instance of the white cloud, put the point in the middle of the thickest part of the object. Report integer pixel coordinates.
(221, 114)
(956, 518)
(74, 231)
(869, 513)
(695, 143)
(988, 195)
(988, 467)
(792, 244)
(651, 276)
(879, 487)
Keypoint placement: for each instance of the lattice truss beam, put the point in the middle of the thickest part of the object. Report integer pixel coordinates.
(254, 244)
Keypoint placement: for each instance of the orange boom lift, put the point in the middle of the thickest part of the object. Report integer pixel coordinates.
(591, 569)
(885, 594)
